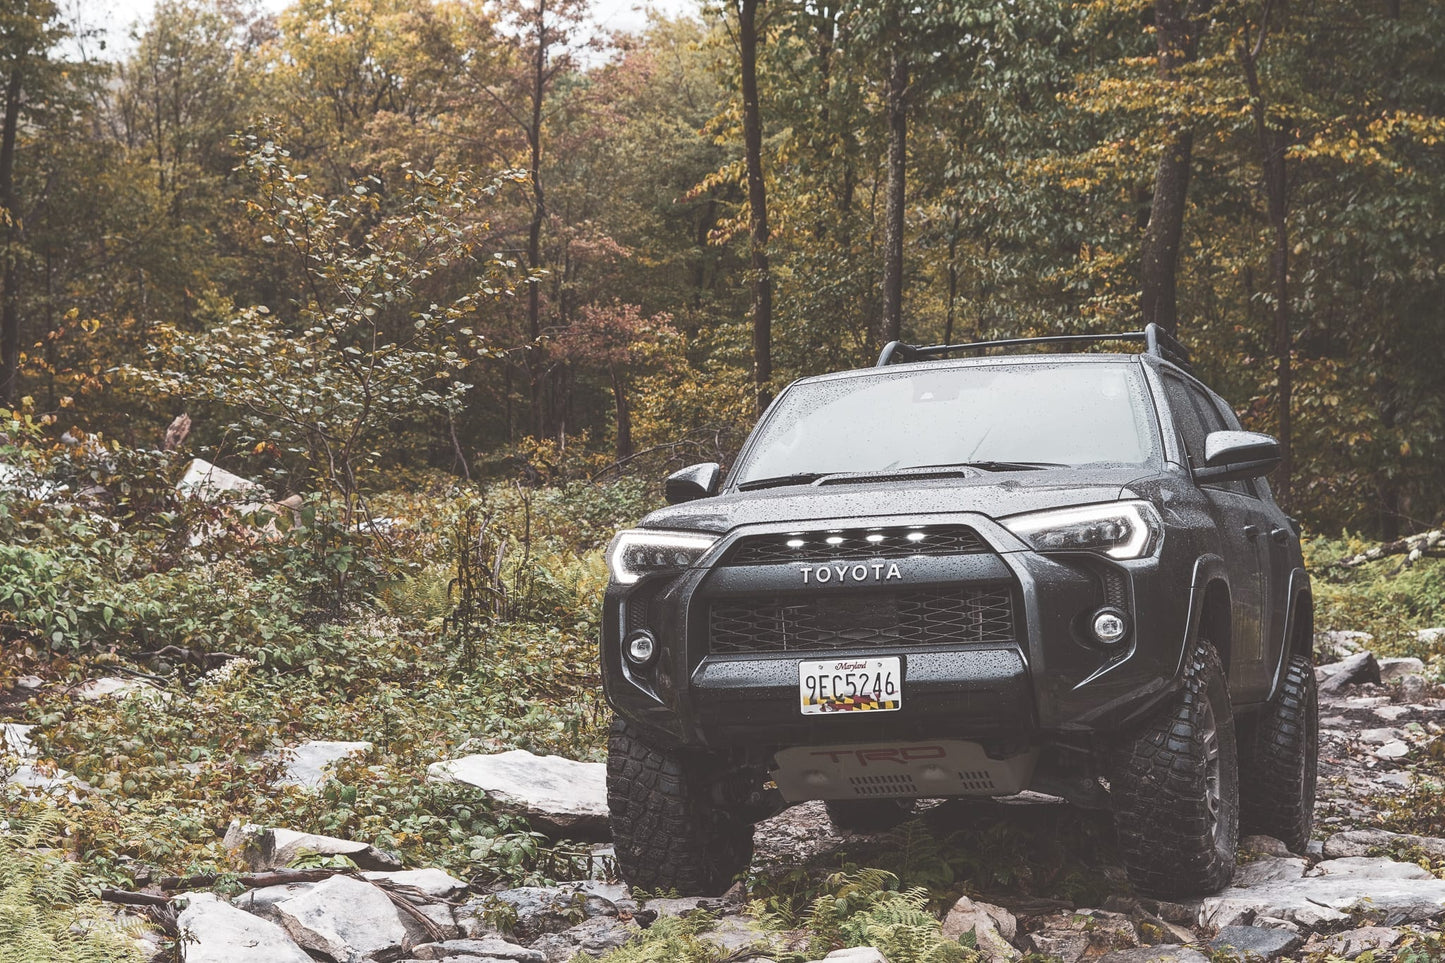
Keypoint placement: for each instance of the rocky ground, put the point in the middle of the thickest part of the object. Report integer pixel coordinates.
(1357, 890)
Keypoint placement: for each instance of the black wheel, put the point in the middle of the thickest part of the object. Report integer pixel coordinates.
(1175, 788)
(1279, 761)
(669, 834)
(868, 815)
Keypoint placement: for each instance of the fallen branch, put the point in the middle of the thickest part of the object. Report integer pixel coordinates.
(1429, 544)
(126, 898)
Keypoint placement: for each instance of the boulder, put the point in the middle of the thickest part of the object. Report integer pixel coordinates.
(1398, 668)
(344, 918)
(1081, 934)
(1431, 636)
(1367, 842)
(1263, 942)
(1357, 669)
(1339, 644)
(265, 849)
(1371, 867)
(593, 937)
(15, 740)
(432, 882)
(1267, 869)
(1329, 896)
(1366, 939)
(992, 928)
(307, 765)
(214, 931)
(734, 934)
(489, 948)
(262, 902)
(557, 794)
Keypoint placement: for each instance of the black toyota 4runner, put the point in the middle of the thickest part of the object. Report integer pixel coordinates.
(1056, 572)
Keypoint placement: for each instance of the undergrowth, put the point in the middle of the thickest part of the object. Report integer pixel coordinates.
(45, 913)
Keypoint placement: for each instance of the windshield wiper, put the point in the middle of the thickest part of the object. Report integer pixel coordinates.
(1001, 465)
(777, 481)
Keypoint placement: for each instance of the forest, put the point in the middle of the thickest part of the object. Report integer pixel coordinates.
(369, 238)
(450, 285)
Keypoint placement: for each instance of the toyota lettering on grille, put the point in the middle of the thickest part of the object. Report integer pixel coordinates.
(872, 572)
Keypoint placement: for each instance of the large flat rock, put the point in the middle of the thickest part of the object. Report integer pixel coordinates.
(1334, 890)
(309, 764)
(217, 932)
(344, 918)
(554, 793)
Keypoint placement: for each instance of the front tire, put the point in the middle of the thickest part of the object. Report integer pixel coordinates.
(668, 832)
(1176, 790)
(1280, 761)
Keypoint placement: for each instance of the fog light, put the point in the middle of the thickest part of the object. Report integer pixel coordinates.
(641, 648)
(1110, 626)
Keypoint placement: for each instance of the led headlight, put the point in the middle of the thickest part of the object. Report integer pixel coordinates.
(639, 551)
(1116, 529)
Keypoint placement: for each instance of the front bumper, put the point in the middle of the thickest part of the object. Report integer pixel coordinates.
(1042, 679)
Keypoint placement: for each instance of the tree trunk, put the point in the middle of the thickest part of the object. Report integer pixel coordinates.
(757, 205)
(1273, 141)
(10, 295)
(1177, 38)
(893, 203)
(1160, 255)
(624, 416)
(534, 232)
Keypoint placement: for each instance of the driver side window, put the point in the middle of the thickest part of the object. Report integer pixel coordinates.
(1195, 416)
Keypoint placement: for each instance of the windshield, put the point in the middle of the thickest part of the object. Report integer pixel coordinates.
(1013, 415)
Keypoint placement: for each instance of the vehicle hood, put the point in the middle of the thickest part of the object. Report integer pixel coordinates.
(995, 494)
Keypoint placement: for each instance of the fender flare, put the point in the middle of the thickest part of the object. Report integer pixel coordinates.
(1299, 594)
(1208, 568)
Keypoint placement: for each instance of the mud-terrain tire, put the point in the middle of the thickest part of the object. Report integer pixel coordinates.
(868, 815)
(1279, 761)
(1175, 787)
(669, 834)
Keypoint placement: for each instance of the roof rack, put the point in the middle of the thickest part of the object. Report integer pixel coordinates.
(1157, 342)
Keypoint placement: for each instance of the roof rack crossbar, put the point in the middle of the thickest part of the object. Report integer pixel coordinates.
(1157, 342)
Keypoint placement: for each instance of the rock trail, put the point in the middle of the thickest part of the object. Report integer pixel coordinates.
(1359, 889)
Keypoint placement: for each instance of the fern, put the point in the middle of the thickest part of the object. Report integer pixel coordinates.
(44, 914)
(672, 939)
(866, 908)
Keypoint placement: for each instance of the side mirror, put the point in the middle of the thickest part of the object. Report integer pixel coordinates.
(693, 482)
(1234, 455)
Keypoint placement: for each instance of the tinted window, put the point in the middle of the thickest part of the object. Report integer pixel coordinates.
(1196, 415)
(1078, 414)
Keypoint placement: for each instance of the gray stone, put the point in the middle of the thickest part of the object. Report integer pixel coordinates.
(537, 909)
(593, 937)
(1329, 898)
(736, 933)
(858, 954)
(1085, 933)
(1155, 954)
(1397, 668)
(1352, 943)
(1357, 669)
(679, 906)
(1393, 750)
(1379, 737)
(1258, 941)
(559, 794)
(263, 901)
(491, 948)
(1431, 636)
(308, 765)
(344, 918)
(992, 927)
(1268, 869)
(433, 882)
(1341, 643)
(15, 740)
(216, 932)
(1264, 845)
(1366, 842)
(265, 849)
(1370, 867)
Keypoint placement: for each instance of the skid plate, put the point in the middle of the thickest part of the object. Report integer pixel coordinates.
(942, 767)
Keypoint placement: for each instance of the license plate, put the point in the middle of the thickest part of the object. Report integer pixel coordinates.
(850, 685)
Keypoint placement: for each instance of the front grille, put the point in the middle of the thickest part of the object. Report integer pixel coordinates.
(855, 543)
(803, 623)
